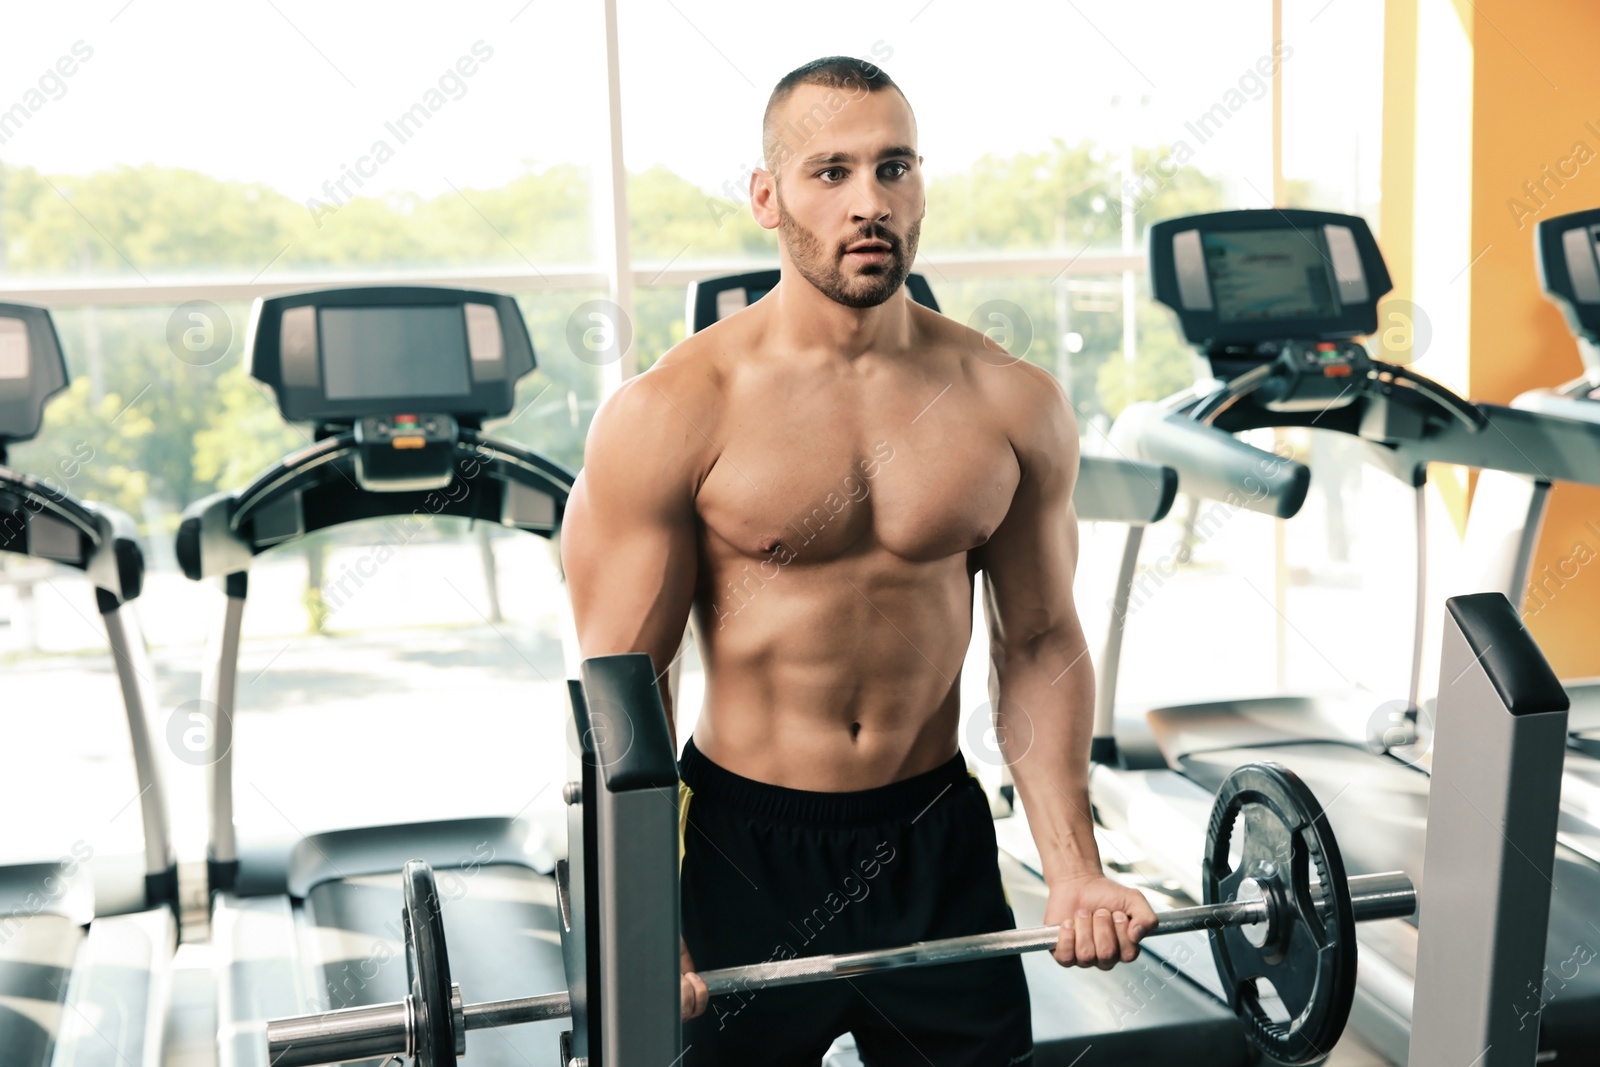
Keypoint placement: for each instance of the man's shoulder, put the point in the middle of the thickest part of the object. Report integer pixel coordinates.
(993, 362)
(691, 374)
(667, 417)
(699, 362)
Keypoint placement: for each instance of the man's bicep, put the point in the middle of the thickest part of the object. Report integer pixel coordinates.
(1028, 567)
(631, 577)
(1030, 561)
(629, 550)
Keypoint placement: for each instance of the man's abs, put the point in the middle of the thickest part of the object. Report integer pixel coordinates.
(838, 677)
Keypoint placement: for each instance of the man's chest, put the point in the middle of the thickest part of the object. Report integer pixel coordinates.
(818, 486)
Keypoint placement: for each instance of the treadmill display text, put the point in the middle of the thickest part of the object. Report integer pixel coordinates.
(1265, 275)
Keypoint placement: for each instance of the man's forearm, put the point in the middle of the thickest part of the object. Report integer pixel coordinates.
(1044, 723)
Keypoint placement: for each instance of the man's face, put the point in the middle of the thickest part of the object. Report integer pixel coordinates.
(849, 178)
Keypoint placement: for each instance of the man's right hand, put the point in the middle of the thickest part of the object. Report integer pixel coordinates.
(691, 987)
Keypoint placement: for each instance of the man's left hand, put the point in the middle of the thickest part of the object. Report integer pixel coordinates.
(1101, 921)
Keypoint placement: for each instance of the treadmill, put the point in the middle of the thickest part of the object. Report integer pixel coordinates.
(396, 383)
(1504, 525)
(1273, 301)
(86, 940)
(1167, 1005)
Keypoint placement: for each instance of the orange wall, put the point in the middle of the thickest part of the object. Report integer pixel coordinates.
(1536, 89)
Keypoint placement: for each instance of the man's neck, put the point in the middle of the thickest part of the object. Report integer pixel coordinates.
(805, 319)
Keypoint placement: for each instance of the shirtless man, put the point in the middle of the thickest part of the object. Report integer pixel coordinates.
(817, 479)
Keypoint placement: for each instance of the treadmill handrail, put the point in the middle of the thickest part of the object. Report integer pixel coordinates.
(227, 514)
(1469, 414)
(1114, 489)
(1537, 436)
(114, 561)
(542, 468)
(114, 565)
(1561, 403)
(293, 466)
(59, 504)
(1519, 440)
(1212, 463)
(525, 466)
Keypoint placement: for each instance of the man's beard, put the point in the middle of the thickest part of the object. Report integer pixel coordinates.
(824, 267)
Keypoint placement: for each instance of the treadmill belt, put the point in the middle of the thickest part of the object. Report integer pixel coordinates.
(35, 968)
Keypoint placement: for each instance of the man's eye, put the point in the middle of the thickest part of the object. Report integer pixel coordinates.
(831, 170)
(901, 172)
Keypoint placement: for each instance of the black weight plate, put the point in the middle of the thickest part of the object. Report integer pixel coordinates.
(427, 967)
(1310, 955)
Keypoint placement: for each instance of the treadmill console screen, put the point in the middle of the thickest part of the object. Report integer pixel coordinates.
(31, 369)
(1245, 282)
(13, 349)
(1569, 270)
(337, 356)
(1261, 275)
(371, 352)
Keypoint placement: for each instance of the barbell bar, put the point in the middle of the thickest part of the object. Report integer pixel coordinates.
(388, 1029)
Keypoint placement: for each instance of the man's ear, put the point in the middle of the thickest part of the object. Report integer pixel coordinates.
(764, 197)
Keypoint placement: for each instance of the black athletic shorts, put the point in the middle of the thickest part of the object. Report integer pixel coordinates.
(770, 873)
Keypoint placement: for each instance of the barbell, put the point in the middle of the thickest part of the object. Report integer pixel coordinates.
(1268, 920)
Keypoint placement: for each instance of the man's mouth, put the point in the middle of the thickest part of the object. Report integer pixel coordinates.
(873, 251)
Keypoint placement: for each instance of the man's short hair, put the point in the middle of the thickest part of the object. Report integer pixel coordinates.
(855, 76)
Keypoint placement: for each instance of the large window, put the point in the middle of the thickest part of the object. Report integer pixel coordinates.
(139, 140)
(1056, 132)
(1027, 113)
(1333, 106)
(161, 165)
